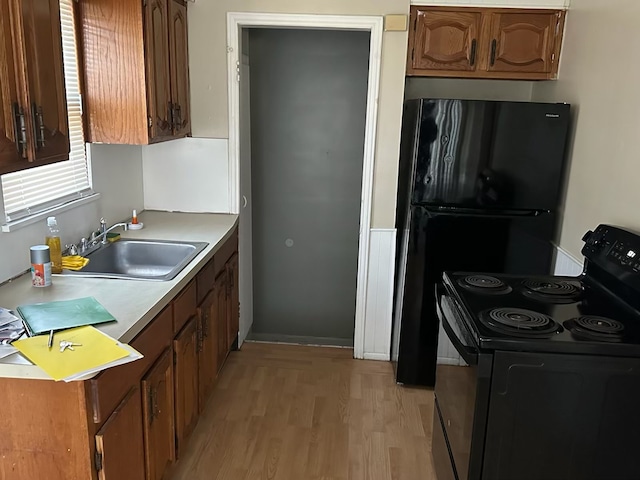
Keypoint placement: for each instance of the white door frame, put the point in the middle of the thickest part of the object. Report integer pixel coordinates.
(235, 22)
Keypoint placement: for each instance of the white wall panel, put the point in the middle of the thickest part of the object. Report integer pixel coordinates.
(187, 175)
(565, 264)
(379, 305)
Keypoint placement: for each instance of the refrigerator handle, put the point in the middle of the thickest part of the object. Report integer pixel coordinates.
(474, 212)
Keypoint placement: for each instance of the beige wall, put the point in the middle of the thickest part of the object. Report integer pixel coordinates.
(208, 70)
(600, 77)
(469, 89)
(117, 175)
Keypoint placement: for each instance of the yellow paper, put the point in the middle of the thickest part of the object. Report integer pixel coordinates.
(97, 349)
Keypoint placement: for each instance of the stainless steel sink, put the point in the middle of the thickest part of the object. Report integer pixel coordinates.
(139, 259)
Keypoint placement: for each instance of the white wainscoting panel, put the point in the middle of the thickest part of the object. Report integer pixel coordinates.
(187, 175)
(566, 264)
(447, 353)
(379, 304)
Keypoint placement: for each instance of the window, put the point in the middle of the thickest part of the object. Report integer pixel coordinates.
(38, 189)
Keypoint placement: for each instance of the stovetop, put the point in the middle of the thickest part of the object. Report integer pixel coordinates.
(543, 314)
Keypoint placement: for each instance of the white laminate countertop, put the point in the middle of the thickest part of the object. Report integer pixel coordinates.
(134, 303)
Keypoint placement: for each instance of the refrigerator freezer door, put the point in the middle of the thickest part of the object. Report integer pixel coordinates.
(480, 154)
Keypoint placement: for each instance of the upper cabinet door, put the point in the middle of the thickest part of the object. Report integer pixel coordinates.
(158, 74)
(524, 42)
(445, 40)
(179, 55)
(46, 98)
(10, 151)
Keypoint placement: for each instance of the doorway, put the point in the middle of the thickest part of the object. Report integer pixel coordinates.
(239, 148)
(308, 100)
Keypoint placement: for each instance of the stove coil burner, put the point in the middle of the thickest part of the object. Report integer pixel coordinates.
(591, 327)
(517, 322)
(554, 291)
(484, 284)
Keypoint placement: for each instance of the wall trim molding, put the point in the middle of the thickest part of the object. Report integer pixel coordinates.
(235, 22)
(376, 356)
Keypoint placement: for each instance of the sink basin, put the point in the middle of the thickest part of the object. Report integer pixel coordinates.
(139, 259)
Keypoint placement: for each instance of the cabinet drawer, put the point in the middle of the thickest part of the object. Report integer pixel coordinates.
(226, 251)
(184, 306)
(204, 281)
(110, 386)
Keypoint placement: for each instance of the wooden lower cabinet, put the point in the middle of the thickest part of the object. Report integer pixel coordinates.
(208, 351)
(119, 444)
(185, 351)
(126, 422)
(233, 301)
(158, 412)
(220, 294)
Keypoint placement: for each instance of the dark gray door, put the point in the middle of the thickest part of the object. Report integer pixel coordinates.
(308, 108)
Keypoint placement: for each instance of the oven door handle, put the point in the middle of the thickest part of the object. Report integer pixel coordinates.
(469, 355)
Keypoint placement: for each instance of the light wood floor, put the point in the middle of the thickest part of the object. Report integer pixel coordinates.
(288, 412)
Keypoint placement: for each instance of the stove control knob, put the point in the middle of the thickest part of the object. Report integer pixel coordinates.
(593, 239)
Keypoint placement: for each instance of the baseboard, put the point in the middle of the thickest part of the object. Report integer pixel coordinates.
(299, 340)
(377, 356)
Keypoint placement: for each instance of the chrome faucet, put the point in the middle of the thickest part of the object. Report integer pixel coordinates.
(102, 236)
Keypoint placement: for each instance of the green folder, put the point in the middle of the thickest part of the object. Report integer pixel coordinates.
(43, 317)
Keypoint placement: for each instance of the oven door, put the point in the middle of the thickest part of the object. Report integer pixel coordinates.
(462, 396)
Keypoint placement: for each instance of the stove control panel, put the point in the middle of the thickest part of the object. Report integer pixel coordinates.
(609, 247)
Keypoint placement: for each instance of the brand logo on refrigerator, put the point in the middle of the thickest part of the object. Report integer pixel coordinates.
(552, 115)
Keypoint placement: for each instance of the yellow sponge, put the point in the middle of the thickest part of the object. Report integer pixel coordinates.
(74, 262)
(113, 237)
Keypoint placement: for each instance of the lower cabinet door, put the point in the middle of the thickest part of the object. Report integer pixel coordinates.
(158, 415)
(185, 348)
(233, 301)
(208, 351)
(220, 318)
(119, 443)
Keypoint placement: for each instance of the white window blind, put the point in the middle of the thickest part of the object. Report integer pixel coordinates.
(40, 188)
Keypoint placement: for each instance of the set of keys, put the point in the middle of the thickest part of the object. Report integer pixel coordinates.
(66, 345)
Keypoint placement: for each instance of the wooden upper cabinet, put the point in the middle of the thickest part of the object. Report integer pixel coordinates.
(445, 40)
(524, 42)
(473, 42)
(10, 156)
(34, 121)
(46, 98)
(132, 92)
(157, 54)
(179, 52)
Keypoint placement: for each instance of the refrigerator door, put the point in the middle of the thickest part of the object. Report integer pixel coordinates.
(436, 241)
(497, 155)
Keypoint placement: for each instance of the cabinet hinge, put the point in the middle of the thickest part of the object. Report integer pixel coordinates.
(98, 461)
(150, 121)
(415, 23)
(413, 50)
(144, 3)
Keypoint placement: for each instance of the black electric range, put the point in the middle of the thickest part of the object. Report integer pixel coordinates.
(545, 314)
(552, 386)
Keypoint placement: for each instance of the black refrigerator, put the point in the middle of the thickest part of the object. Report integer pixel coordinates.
(478, 189)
